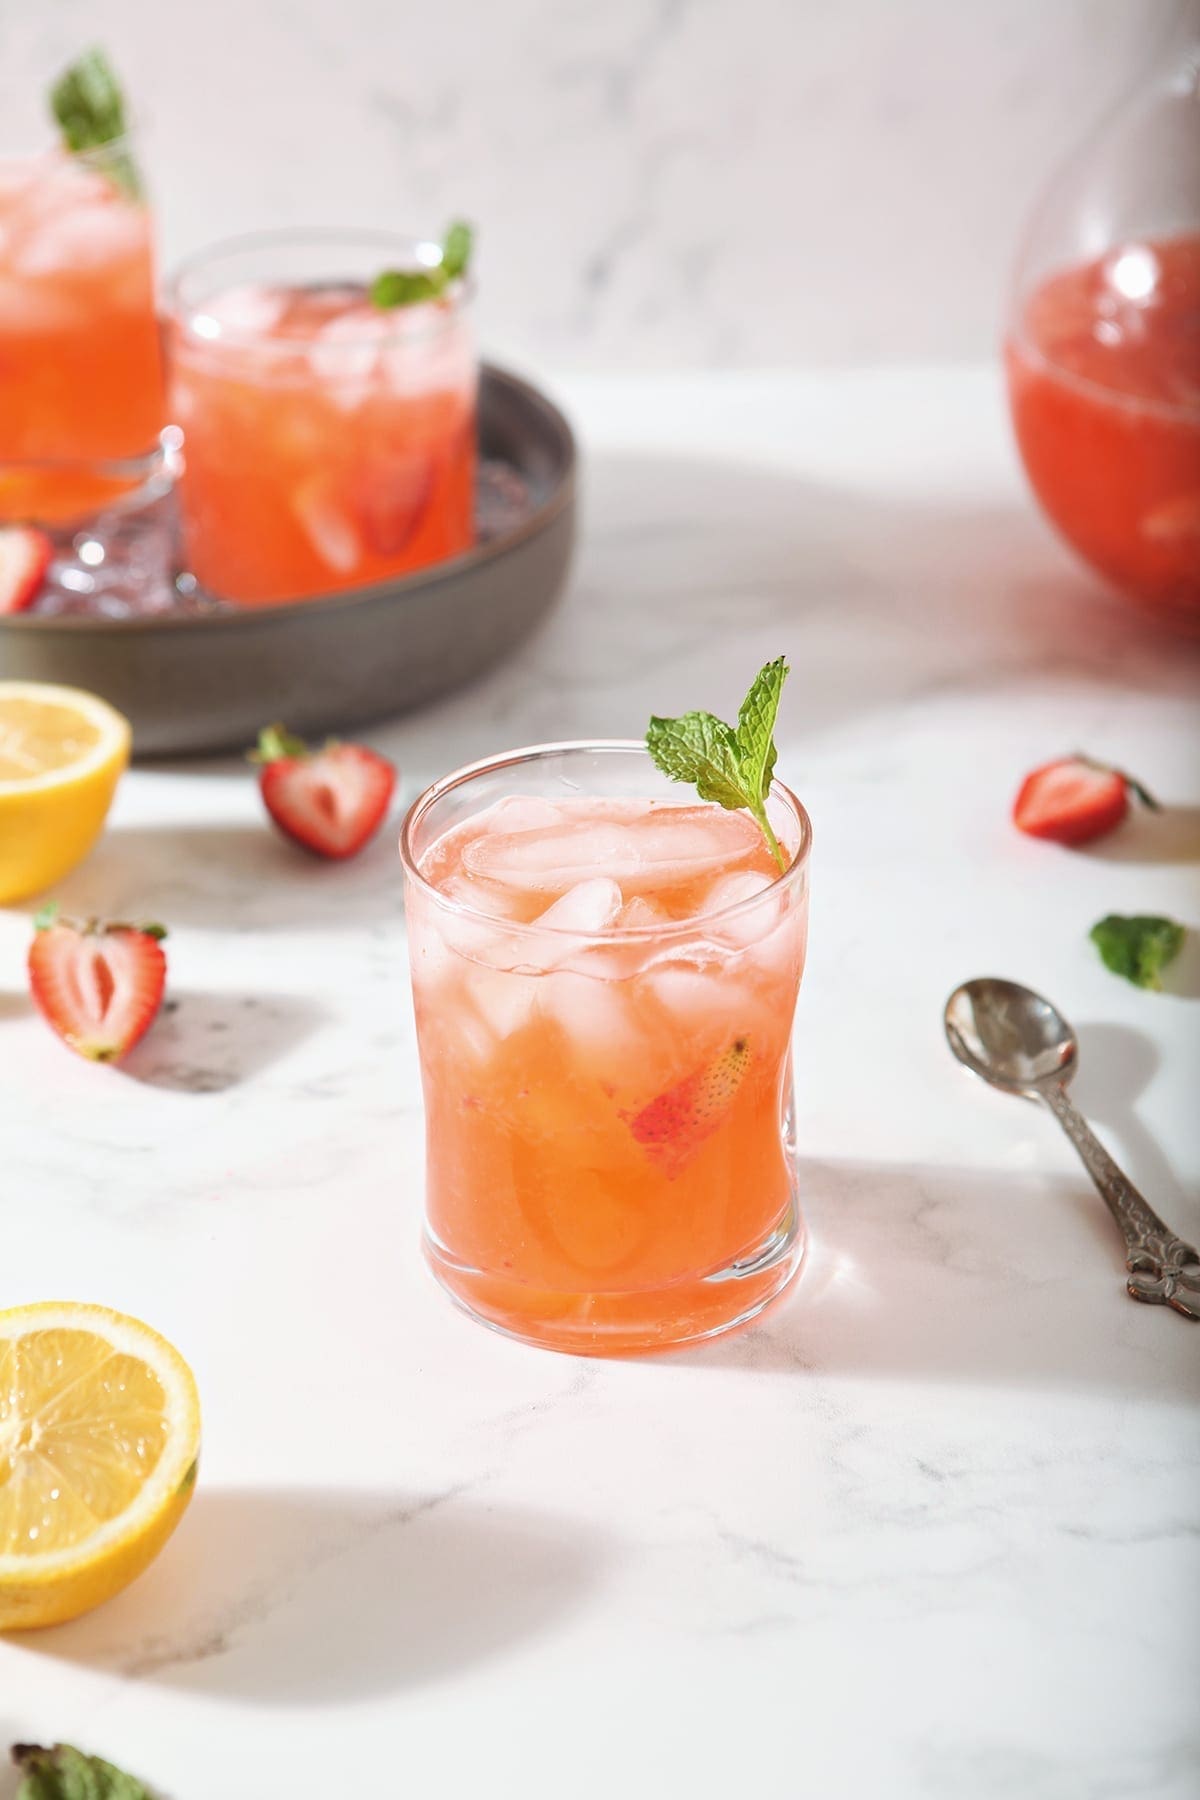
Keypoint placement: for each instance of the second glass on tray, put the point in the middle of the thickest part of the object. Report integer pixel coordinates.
(328, 443)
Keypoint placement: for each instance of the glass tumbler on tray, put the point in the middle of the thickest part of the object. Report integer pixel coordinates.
(81, 387)
(604, 982)
(1103, 349)
(329, 440)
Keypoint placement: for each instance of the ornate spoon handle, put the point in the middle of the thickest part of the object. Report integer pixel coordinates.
(1162, 1268)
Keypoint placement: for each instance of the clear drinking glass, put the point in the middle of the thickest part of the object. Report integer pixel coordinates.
(328, 443)
(610, 1156)
(1103, 347)
(79, 337)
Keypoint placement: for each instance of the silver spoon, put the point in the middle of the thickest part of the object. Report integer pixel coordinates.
(1016, 1040)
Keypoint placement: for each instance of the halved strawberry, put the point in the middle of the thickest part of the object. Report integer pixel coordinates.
(98, 985)
(1075, 800)
(25, 554)
(674, 1125)
(330, 801)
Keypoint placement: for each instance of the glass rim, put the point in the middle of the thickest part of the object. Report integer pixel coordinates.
(447, 307)
(94, 156)
(460, 777)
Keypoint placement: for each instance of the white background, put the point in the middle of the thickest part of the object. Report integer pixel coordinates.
(659, 182)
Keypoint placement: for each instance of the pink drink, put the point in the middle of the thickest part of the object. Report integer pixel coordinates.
(604, 991)
(80, 370)
(328, 443)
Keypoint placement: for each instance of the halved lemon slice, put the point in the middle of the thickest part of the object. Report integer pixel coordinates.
(61, 754)
(99, 1437)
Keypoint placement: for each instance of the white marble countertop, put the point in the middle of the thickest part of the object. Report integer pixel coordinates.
(931, 1530)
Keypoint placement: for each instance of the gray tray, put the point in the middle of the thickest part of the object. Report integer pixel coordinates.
(195, 683)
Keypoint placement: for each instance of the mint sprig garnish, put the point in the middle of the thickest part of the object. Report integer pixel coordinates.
(733, 765)
(408, 287)
(1138, 946)
(89, 106)
(64, 1773)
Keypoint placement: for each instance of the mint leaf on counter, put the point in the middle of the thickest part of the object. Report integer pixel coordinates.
(65, 1773)
(734, 767)
(408, 287)
(89, 106)
(1138, 947)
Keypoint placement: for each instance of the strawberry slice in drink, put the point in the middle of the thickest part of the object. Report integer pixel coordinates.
(392, 495)
(676, 1122)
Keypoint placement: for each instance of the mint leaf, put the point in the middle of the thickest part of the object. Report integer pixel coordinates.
(456, 249)
(408, 287)
(756, 727)
(405, 287)
(700, 750)
(89, 106)
(733, 767)
(756, 743)
(65, 1773)
(1139, 947)
(46, 917)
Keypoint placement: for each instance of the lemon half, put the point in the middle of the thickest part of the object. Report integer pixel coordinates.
(62, 752)
(99, 1439)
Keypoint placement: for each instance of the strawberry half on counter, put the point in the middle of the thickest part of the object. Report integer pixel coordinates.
(25, 554)
(330, 801)
(676, 1122)
(99, 985)
(1076, 799)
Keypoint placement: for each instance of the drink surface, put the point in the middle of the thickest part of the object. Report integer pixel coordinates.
(328, 444)
(1104, 378)
(80, 367)
(605, 1058)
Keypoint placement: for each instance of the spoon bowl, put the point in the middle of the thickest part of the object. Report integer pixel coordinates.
(1009, 1036)
(1014, 1039)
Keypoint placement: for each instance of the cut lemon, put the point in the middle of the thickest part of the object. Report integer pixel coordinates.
(61, 754)
(99, 1436)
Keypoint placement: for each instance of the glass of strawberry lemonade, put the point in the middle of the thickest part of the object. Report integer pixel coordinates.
(604, 980)
(325, 383)
(81, 389)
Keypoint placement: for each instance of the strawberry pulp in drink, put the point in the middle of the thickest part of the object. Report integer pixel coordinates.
(1104, 382)
(328, 443)
(604, 991)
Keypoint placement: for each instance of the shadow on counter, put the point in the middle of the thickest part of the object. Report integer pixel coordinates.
(979, 1276)
(878, 601)
(289, 1597)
